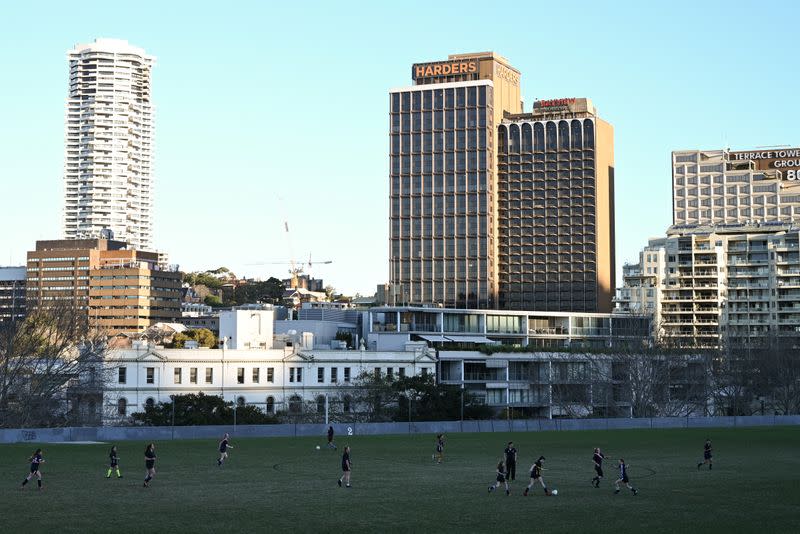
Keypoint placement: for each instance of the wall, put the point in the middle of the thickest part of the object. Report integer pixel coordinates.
(112, 434)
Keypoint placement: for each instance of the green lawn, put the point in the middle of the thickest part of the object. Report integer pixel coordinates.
(284, 484)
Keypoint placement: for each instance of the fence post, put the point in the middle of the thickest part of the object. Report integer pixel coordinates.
(173, 417)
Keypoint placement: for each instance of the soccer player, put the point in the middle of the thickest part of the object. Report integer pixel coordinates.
(113, 463)
(536, 476)
(224, 445)
(598, 466)
(346, 466)
(623, 477)
(501, 478)
(439, 456)
(36, 460)
(331, 444)
(511, 461)
(149, 463)
(706, 455)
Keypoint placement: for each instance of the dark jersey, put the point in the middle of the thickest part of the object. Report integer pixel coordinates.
(150, 458)
(511, 455)
(330, 434)
(346, 461)
(36, 459)
(707, 450)
(536, 472)
(223, 445)
(598, 459)
(623, 472)
(113, 459)
(439, 445)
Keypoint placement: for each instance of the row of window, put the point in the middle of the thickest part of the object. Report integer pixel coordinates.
(295, 375)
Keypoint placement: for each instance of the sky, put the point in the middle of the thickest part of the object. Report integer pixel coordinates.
(273, 112)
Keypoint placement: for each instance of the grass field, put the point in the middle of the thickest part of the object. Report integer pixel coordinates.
(281, 484)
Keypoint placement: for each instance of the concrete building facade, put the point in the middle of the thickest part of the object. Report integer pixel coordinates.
(556, 209)
(108, 161)
(12, 294)
(734, 187)
(443, 179)
(120, 290)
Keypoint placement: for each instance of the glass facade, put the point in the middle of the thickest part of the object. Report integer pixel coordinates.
(441, 190)
(547, 215)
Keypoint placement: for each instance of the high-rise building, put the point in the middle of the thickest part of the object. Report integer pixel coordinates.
(12, 294)
(730, 187)
(726, 285)
(556, 208)
(108, 162)
(117, 288)
(443, 179)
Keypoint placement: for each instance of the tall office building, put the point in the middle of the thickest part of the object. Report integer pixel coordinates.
(108, 163)
(12, 294)
(443, 179)
(556, 209)
(733, 187)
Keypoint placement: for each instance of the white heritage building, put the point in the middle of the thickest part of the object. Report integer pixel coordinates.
(253, 367)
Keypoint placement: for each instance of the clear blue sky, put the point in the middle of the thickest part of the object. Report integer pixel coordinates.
(266, 113)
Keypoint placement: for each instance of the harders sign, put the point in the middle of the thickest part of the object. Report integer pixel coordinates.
(446, 68)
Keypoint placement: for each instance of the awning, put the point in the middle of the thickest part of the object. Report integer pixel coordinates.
(434, 339)
(471, 339)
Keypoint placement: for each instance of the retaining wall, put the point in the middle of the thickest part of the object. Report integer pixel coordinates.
(112, 433)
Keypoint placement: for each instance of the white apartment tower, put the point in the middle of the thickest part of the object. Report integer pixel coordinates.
(108, 162)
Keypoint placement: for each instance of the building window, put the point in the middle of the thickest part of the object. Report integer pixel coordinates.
(149, 403)
(321, 404)
(424, 371)
(347, 401)
(122, 407)
(193, 375)
(321, 375)
(295, 404)
(240, 401)
(122, 375)
(256, 373)
(240, 375)
(270, 374)
(390, 373)
(151, 375)
(347, 374)
(299, 374)
(401, 372)
(377, 372)
(178, 375)
(334, 374)
(209, 375)
(291, 374)
(270, 404)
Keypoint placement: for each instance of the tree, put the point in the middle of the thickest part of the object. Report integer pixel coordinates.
(270, 291)
(47, 361)
(200, 409)
(213, 301)
(203, 336)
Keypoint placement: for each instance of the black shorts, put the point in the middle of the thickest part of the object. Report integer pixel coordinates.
(34, 468)
(707, 455)
(150, 464)
(598, 470)
(439, 449)
(625, 479)
(501, 478)
(113, 464)
(223, 451)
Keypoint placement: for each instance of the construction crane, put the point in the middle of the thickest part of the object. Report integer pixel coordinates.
(296, 268)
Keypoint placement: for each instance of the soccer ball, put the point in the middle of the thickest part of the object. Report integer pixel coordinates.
(555, 492)
(317, 447)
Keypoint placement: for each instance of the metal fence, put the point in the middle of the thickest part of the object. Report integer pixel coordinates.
(345, 429)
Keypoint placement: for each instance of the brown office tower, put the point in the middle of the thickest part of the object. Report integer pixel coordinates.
(443, 180)
(556, 208)
(118, 289)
